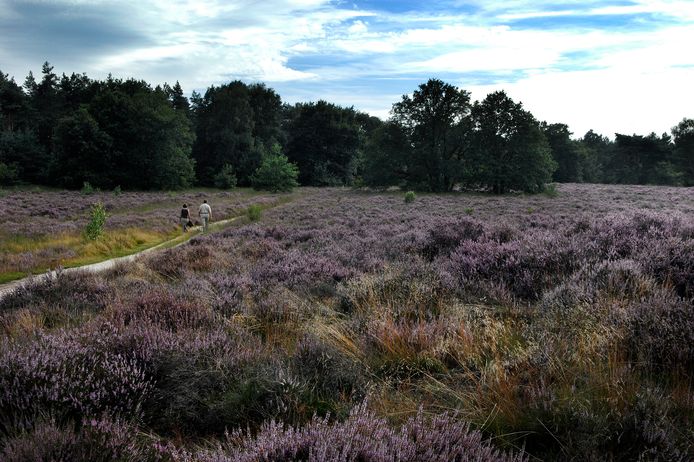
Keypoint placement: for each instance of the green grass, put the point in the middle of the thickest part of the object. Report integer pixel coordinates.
(113, 244)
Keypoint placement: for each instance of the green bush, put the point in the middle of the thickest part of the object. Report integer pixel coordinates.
(8, 174)
(117, 191)
(97, 219)
(550, 190)
(410, 197)
(87, 189)
(275, 174)
(254, 212)
(226, 178)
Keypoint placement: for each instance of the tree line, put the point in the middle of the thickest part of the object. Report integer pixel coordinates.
(67, 130)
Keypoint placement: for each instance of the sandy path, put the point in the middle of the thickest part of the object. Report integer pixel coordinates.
(7, 288)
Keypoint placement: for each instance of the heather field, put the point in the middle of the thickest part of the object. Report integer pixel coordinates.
(352, 326)
(43, 229)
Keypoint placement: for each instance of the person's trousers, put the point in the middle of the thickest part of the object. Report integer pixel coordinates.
(205, 220)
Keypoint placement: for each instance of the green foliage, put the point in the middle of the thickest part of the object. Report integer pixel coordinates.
(82, 152)
(254, 212)
(642, 160)
(233, 123)
(117, 191)
(410, 197)
(87, 189)
(386, 155)
(8, 174)
(510, 150)
(683, 135)
(276, 173)
(226, 178)
(564, 152)
(97, 219)
(551, 190)
(324, 140)
(436, 122)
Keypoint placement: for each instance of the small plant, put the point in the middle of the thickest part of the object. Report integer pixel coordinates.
(254, 212)
(469, 210)
(87, 189)
(410, 197)
(97, 219)
(550, 190)
(117, 191)
(226, 178)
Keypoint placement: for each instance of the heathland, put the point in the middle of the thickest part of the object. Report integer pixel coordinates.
(353, 325)
(43, 229)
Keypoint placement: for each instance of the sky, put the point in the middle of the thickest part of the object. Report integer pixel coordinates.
(611, 66)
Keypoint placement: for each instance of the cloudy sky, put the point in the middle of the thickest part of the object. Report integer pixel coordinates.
(613, 66)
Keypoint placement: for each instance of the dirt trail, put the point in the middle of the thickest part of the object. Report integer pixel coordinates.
(7, 288)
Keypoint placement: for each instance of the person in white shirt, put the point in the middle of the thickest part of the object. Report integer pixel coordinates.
(205, 212)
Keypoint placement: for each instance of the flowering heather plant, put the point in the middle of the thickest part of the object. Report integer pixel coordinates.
(56, 300)
(547, 329)
(167, 308)
(95, 440)
(363, 436)
(64, 374)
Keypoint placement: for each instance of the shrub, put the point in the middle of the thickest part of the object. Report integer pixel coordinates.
(69, 375)
(87, 189)
(97, 440)
(226, 178)
(330, 373)
(97, 219)
(164, 308)
(410, 197)
(254, 212)
(550, 190)
(117, 191)
(363, 436)
(57, 301)
(8, 174)
(275, 174)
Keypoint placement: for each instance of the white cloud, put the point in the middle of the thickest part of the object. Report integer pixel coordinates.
(582, 76)
(608, 100)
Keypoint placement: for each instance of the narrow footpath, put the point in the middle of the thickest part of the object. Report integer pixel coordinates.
(7, 288)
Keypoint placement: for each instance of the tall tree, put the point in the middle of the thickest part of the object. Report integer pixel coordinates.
(224, 129)
(642, 160)
(436, 121)
(324, 141)
(266, 106)
(151, 140)
(597, 150)
(510, 150)
(386, 155)
(564, 152)
(683, 135)
(177, 98)
(82, 152)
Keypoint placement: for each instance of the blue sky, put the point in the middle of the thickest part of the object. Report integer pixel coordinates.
(613, 66)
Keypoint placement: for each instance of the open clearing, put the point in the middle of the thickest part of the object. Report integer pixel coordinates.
(556, 327)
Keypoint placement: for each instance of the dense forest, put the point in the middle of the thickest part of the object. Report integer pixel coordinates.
(64, 131)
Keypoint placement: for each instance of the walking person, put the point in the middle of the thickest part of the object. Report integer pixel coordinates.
(185, 217)
(205, 213)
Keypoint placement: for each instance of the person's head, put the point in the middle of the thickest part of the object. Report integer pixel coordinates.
(185, 206)
(204, 201)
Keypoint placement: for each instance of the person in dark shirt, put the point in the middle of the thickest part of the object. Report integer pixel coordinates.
(185, 217)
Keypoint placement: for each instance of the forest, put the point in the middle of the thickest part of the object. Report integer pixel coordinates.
(65, 131)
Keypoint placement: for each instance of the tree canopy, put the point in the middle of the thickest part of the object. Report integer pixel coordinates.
(66, 130)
